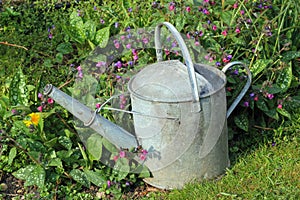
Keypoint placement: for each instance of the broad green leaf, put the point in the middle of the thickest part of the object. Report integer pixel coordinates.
(180, 22)
(122, 167)
(226, 17)
(65, 141)
(283, 112)
(51, 143)
(56, 162)
(259, 66)
(59, 58)
(89, 28)
(290, 55)
(109, 146)
(32, 174)
(242, 122)
(95, 177)
(80, 177)
(285, 78)
(261, 104)
(272, 113)
(238, 41)
(94, 146)
(65, 48)
(18, 90)
(12, 154)
(274, 89)
(102, 37)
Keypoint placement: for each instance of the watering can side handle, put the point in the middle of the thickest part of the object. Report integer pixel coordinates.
(244, 90)
(186, 56)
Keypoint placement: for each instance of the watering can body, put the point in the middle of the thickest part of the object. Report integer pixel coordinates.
(180, 118)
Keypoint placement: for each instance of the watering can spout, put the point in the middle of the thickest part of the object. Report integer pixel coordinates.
(115, 134)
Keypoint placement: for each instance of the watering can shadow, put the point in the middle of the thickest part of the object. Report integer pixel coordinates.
(179, 112)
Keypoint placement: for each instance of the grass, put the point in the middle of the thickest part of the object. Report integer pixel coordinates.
(270, 172)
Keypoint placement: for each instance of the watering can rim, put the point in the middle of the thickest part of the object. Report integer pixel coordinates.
(220, 74)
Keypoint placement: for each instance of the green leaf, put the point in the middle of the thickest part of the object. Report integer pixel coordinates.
(283, 112)
(272, 113)
(180, 22)
(80, 177)
(122, 167)
(242, 122)
(59, 58)
(32, 174)
(56, 162)
(18, 90)
(259, 66)
(102, 37)
(285, 78)
(95, 177)
(274, 89)
(12, 155)
(226, 17)
(94, 146)
(89, 28)
(109, 146)
(65, 141)
(65, 48)
(261, 104)
(290, 55)
(51, 143)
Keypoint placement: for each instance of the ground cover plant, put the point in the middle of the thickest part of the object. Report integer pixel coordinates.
(43, 42)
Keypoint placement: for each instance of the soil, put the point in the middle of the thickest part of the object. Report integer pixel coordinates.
(12, 188)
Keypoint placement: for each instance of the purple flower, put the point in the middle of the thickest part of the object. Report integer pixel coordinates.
(122, 154)
(270, 96)
(252, 95)
(214, 27)
(229, 57)
(78, 13)
(246, 104)
(95, 8)
(129, 9)
(102, 21)
(242, 12)
(130, 63)
(116, 24)
(205, 11)
(218, 64)
(171, 6)
(145, 40)
(108, 183)
(117, 44)
(236, 72)
(14, 111)
(118, 64)
(40, 96)
(100, 64)
(128, 46)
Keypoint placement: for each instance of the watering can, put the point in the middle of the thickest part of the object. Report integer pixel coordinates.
(179, 116)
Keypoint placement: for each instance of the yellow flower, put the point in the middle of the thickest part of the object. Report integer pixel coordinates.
(34, 119)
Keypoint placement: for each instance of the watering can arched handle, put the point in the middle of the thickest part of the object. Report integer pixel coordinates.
(186, 56)
(244, 90)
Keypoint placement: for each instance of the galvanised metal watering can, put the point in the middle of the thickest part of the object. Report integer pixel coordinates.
(179, 114)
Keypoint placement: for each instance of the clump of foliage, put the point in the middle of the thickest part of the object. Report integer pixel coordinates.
(47, 43)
